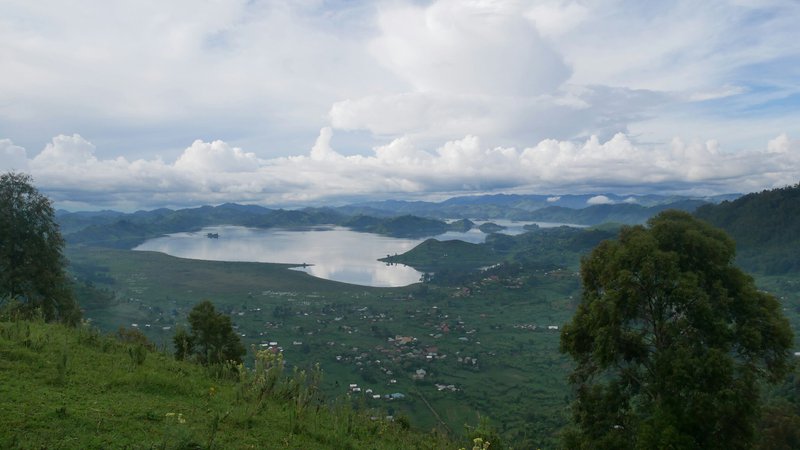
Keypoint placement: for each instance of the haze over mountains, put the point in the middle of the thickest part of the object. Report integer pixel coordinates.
(383, 217)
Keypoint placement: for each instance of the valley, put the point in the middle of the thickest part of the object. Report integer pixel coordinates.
(476, 340)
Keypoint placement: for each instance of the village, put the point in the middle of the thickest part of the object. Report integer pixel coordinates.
(401, 350)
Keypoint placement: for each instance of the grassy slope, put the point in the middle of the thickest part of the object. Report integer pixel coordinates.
(73, 388)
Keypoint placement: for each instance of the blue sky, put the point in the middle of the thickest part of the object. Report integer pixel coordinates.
(144, 104)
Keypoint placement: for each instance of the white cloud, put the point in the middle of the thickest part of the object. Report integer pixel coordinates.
(553, 199)
(555, 18)
(12, 157)
(470, 68)
(215, 172)
(66, 150)
(468, 48)
(216, 156)
(418, 81)
(599, 200)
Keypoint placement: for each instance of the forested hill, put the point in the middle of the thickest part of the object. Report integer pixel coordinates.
(766, 227)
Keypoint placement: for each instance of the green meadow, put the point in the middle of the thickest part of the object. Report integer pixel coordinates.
(69, 388)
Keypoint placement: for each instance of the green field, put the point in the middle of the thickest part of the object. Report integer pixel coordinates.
(486, 344)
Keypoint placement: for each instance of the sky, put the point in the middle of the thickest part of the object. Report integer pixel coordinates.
(143, 104)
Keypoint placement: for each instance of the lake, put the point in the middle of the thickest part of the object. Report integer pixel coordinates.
(333, 253)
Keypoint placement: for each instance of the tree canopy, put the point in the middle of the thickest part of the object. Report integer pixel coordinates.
(31, 259)
(211, 337)
(670, 341)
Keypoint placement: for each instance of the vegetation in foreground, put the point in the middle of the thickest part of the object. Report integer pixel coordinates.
(31, 251)
(66, 388)
(670, 341)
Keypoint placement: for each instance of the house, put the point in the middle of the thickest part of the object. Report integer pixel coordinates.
(396, 396)
(402, 340)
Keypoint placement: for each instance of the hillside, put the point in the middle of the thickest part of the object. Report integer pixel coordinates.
(539, 247)
(765, 226)
(74, 388)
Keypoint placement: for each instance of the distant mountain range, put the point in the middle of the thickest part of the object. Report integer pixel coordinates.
(522, 207)
(765, 225)
(390, 217)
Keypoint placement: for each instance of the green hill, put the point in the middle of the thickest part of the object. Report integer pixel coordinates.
(765, 226)
(538, 247)
(75, 388)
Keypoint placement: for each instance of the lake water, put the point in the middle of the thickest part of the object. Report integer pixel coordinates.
(333, 253)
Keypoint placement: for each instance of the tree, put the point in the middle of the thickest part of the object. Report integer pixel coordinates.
(670, 341)
(31, 259)
(182, 341)
(211, 337)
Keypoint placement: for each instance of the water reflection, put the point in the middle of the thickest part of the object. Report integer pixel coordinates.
(333, 253)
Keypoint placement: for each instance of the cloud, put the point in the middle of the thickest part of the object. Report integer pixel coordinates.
(144, 78)
(69, 171)
(12, 157)
(553, 199)
(163, 71)
(476, 68)
(65, 151)
(573, 111)
(217, 156)
(599, 200)
(412, 97)
(462, 47)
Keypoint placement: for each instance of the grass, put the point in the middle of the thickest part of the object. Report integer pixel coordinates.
(519, 382)
(68, 388)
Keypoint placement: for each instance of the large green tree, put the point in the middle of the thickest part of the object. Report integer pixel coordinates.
(671, 341)
(211, 337)
(31, 259)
